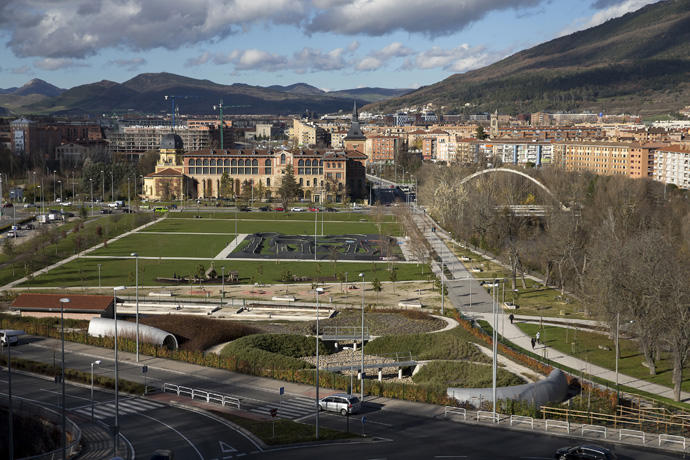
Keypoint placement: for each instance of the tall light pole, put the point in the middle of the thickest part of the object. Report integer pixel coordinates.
(220, 108)
(618, 325)
(318, 291)
(443, 290)
(222, 283)
(97, 362)
(60, 182)
(361, 373)
(99, 276)
(63, 301)
(9, 395)
(54, 187)
(316, 215)
(112, 186)
(91, 182)
(102, 186)
(494, 301)
(136, 294)
(116, 428)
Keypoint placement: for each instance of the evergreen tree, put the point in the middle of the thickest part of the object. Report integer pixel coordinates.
(289, 188)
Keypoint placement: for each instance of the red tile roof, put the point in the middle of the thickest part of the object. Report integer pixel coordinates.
(51, 302)
(166, 173)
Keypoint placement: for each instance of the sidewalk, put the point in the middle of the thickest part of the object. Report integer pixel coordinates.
(480, 307)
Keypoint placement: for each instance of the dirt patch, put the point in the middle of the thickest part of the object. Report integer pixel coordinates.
(198, 333)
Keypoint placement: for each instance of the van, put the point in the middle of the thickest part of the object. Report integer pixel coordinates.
(342, 403)
(9, 336)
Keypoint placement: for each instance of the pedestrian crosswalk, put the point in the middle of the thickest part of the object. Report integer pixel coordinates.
(291, 408)
(103, 410)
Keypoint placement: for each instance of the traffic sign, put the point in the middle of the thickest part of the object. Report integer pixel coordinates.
(282, 391)
(144, 369)
(274, 412)
(364, 420)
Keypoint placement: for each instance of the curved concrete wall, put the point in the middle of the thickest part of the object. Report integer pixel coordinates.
(105, 327)
(553, 388)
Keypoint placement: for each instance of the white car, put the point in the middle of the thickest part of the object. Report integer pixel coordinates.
(296, 209)
(66, 203)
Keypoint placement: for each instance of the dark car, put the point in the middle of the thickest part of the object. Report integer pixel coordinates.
(8, 205)
(264, 208)
(163, 454)
(244, 209)
(106, 211)
(331, 210)
(584, 452)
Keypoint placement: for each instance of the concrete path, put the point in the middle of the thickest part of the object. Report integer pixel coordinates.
(450, 324)
(480, 306)
(249, 259)
(76, 256)
(231, 247)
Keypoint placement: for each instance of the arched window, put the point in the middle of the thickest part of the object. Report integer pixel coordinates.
(213, 162)
(240, 162)
(300, 163)
(226, 162)
(282, 158)
(307, 163)
(267, 167)
(320, 162)
(255, 162)
(206, 162)
(233, 162)
(267, 162)
(268, 181)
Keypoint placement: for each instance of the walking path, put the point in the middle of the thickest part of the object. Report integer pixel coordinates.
(231, 247)
(479, 306)
(76, 256)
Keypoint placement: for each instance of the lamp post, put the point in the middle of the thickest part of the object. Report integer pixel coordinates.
(60, 182)
(318, 291)
(618, 325)
(220, 108)
(494, 302)
(443, 289)
(102, 186)
(54, 186)
(136, 294)
(112, 186)
(116, 428)
(63, 301)
(9, 396)
(316, 215)
(361, 379)
(222, 283)
(91, 182)
(99, 276)
(97, 362)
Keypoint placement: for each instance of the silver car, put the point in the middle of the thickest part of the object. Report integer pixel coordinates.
(340, 402)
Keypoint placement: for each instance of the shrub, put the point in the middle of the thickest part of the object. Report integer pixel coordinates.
(274, 351)
(463, 375)
(444, 345)
(199, 333)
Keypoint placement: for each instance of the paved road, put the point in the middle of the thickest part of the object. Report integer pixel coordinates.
(146, 424)
(400, 429)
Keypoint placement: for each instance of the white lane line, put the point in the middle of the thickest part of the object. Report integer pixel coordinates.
(66, 395)
(129, 444)
(173, 429)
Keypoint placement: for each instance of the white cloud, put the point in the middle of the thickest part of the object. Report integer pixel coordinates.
(57, 63)
(369, 63)
(129, 64)
(202, 59)
(81, 28)
(21, 70)
(395, 49)
(459, 59)
(379, 17)
(611, 9)
(305, 60)
(353, 46)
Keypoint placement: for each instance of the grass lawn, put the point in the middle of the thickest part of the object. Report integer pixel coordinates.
(464, 375)
(585, 345)
(286, 227)
(154, 245)
(84, 272)
(536, 300)
(287, 431)
(275, 215)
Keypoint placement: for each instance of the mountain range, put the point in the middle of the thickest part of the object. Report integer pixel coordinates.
(638, 63)
(146, 93)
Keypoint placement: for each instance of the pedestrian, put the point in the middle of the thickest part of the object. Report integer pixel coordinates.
(511, 318)
(538, 337)
(532, 340)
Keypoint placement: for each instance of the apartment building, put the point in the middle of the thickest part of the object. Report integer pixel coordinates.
(605, 158)
(381, 149)
(135, 140)
(519, 152)
(307, 133)
(672, 166)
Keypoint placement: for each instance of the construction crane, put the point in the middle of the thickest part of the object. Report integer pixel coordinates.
(172, 98)
(219, 107)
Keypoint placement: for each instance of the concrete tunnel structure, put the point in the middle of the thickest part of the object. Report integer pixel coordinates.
(105, 327)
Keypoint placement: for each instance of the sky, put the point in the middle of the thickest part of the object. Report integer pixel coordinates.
(330, 44)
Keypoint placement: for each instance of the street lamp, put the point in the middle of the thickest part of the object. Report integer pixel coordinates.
(361, 373)
(63, 301)
(97, 362)
(494, 300)
(91, 182)
(136, 294)
(318, 291)
(222, 282)
(102, 186)
(116, 428)
(99, 276)
(60, 182)
(54, 186)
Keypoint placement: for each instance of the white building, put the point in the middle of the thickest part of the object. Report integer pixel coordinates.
(672, 166)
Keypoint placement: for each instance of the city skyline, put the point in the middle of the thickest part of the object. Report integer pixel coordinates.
(329, 44)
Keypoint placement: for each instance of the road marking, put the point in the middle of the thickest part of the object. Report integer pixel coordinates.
(129, 444)
(379, 423)
(536, 458)
(66, 395)
(173, 429)
(451, 456)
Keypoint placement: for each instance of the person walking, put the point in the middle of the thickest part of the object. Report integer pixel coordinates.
(538, 337)
(533, 341)
(511, 318)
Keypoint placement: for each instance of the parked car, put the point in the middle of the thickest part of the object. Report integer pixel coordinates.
(586, 451)
(329, 209)
(342, 403)
(314, 209)
(245, 208)
(511, 306)
(160, 209)
(8, 205)
(30, 205)
(106, 211)
(279, 208)
(265, 208)
(66, 203)
(296, 209)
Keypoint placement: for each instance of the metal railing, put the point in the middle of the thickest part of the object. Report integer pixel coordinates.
(521, 419)
(381, 361)
(208, 396)
(593, 429)
(455, 411)
(631, 434)
(335, 333)
(557, 424)
(483, 415)
(667, 438)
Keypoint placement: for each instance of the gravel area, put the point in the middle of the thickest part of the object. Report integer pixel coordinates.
(346, 357)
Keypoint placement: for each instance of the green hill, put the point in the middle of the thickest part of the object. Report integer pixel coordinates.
(639, 63)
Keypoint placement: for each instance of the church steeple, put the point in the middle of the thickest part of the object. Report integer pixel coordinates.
(355, 115)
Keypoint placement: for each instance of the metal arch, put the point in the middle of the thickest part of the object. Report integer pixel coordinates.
(520, 173)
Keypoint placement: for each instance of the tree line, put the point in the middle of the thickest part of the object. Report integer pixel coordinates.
(622, 246)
